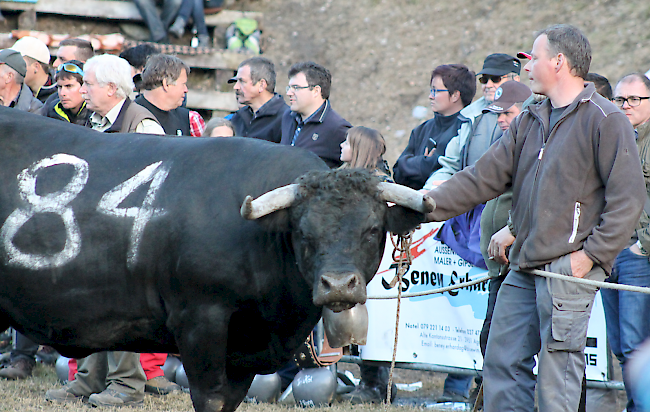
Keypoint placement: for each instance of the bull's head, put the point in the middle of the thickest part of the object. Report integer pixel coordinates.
(338, 222)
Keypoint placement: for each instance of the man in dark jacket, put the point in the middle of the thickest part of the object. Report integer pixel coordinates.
(578, 192)
(452, 87)
(312, 123)
(69, 105)
(261, 116)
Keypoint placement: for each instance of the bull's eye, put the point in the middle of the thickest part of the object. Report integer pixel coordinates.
(373, 234)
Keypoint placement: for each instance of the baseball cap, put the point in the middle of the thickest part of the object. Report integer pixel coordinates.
(232, 80)
(525, 55)
(34, 48)
(507, 95)
(13, 59)
(499, 64)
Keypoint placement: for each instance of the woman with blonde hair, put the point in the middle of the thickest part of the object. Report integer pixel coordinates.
(363, 148)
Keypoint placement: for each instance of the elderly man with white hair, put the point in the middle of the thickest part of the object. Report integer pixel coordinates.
(109, 379)
(107, 85)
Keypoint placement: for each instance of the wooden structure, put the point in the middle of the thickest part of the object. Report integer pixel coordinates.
(222, 62)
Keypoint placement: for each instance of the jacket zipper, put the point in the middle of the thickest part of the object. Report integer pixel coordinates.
(576, 222)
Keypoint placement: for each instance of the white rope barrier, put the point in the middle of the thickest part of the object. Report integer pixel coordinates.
(605, 285)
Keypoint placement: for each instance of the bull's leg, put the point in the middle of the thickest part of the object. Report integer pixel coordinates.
(202, 343)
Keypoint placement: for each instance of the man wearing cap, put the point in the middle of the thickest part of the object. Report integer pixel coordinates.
(262, 111)
(15, 93)
(13, 90)
(578, 191)
(469, 145)
(37, 59)
(509, 100)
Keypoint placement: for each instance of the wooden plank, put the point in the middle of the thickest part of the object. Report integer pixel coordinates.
(212, 100)
(111, 9)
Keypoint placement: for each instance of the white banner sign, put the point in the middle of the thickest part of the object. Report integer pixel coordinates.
(444, 329)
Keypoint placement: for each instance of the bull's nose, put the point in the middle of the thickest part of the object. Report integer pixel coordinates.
(340, 291)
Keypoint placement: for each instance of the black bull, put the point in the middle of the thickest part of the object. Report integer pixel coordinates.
(133, 242)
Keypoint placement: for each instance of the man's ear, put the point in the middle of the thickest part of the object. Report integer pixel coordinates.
(165, 84)
(262, 85)
(112, 89)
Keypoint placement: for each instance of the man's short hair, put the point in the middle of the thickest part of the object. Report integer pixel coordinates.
(64, 74)
(457, 77)
(111, 69)
(45, 67)
(572, 43)
(261, 68)
(160, 67)
(602, 84)
(84, 48)
(636, 76)
(316, 75)
(18, 78)
(137, 56)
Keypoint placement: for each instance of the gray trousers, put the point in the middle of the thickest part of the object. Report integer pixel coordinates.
(536, 315)
(120, 371)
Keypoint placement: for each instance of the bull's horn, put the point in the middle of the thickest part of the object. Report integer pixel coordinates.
(407, 197)
(280, 198)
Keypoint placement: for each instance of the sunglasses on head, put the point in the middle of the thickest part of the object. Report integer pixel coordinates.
(495, 79)
(70, 68)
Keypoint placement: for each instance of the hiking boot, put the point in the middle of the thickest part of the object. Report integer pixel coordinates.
(113, 398)
(178, 28)
(368, 394)
(160, 386)
(19, 369)
(65, 394)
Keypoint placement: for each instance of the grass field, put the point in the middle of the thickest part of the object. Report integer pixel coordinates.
(29, 395)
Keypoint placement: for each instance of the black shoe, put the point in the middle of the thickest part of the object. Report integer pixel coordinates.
(452, 397)
(368, 394)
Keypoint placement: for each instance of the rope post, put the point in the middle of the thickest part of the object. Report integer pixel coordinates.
(403, 247)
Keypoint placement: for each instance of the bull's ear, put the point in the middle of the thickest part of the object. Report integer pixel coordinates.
(277, 221)
(401, 220)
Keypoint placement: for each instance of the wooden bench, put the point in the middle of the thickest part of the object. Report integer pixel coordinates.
(114, 10)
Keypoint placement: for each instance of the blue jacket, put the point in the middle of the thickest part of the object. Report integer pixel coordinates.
(265, 124)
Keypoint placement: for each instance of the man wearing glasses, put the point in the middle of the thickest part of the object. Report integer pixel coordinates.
(70, 105)
(626, 314)
(312, 123)
(261, 116)
(468, 146)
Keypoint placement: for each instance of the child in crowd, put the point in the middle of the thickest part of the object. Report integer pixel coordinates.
(363, 148)
(219, 127)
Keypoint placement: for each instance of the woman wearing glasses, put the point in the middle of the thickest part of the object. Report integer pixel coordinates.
(452, 87)
(70, 106)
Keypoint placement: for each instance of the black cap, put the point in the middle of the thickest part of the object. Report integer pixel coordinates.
(13, 59)
(499, 64)
(232, 80)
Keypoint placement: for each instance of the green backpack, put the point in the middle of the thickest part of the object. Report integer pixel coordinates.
(243, 34)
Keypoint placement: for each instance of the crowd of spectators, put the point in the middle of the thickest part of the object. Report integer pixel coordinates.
(490, 145)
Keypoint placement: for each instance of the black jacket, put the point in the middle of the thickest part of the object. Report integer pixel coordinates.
(265, 124)
(175, 122)
(413, 168)
(52, 108)
(322, 133)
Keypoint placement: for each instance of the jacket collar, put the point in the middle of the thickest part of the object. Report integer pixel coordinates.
(542, 111)
(317, 116)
